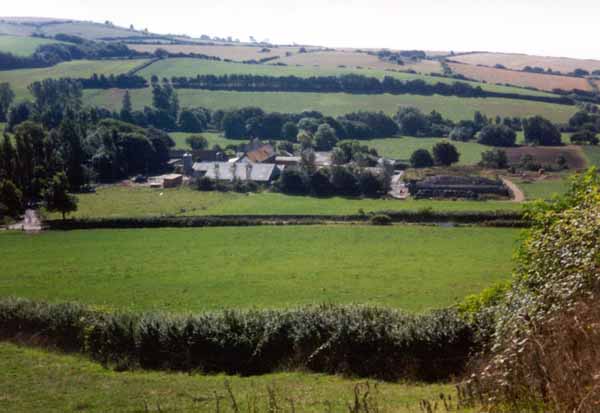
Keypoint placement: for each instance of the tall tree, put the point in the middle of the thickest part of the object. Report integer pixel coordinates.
(57, 197)
(6, 98)
(126, 108)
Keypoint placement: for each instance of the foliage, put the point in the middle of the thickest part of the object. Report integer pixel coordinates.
(325, 138)
(6, 98)
(380, 219)
(197, 142)
(356, 340)
(497, 135)
(445, 154)
(557, 271)
(495, 159)
(421, 158)
(57, 197)
(541, 131)
(11, 199)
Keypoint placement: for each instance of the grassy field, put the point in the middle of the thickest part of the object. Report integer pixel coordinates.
(213, 138)
(192, 67)
(22, 78)
(38, 381)
(117, 201)
(545, 188)
(592, 153)
(187, 270)
(336, 104)
(22, 46)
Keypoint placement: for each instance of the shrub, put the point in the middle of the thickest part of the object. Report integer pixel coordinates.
(462, 134)
(421, 158)
(357, 340)
(497, 135)
(584, 137)
(445, 154)
(197, 142)
(540, 131)
(495, 159)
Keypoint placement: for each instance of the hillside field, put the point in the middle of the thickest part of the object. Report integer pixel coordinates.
(122, 201)
(22, 46)
(519, 61)
(189, 67)
(523, 79)
(35, 380)
(22, 78)
(336, 104)
(256, 267)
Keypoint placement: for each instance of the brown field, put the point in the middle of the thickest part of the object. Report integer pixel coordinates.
(548, 155)
(519, 61)
(353, 59)
(237, 53)
(523, 79)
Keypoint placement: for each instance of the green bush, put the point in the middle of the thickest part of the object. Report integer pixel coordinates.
(380, 219)
(356, 340)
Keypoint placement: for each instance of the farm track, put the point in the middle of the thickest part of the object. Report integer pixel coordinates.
(517, 194)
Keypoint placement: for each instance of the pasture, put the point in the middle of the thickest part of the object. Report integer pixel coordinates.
(38, 380)
(22, 46)
(22, 78)
(233, 52)
(335, 104)
(523, 79)
(213, 138)
(121, 201)
(187, 270)
(544, 188)
(519, 61)
(592, 154)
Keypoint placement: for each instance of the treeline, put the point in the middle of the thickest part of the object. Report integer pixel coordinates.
(349, 83)
(123, 81)
(51, 54)
(355, 340)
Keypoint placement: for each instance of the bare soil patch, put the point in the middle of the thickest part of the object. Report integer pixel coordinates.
(548, 155)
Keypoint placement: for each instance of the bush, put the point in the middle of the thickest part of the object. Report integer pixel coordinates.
(197, 142)
(445, 154)
(540, 131)
(584, 137)
(495, 159)
(462, 134)
(357, 340)
(380, 219)
(421, 158)
(497, 135)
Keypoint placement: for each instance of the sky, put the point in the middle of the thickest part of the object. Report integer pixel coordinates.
(545, 27)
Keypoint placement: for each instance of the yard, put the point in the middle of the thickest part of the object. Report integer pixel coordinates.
(410, 267)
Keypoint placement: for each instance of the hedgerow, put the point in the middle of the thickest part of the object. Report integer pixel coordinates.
(356, 340)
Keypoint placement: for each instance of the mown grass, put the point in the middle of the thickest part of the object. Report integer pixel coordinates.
(544, 189)
(409, 267)
(213, 138)
(34, 380)
(22, 78)
(336, 104)
(21, 45)
(193, 67)
(117, 201)
(592, 153)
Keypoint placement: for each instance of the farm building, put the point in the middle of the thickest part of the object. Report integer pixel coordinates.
(469, 187)
(172, 180)
(225, 171)
(288, 160)
(262, 154)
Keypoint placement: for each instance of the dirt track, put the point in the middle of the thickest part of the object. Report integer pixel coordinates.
(518, 195)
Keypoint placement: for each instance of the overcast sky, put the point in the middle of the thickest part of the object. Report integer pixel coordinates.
(548, 27)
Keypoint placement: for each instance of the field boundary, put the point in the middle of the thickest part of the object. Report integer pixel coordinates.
(497, 218)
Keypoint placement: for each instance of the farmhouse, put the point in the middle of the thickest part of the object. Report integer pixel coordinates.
(245, 171)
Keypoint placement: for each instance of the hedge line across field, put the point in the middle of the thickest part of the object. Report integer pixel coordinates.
(357, 340)
(501, 218)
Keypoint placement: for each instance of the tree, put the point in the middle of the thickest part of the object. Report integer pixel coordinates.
(344, 180)
(445, 154)
(197, 142)
(293, 181)
(540, 131)
(495, 159)
(462, 134)
(497, 135)
(57, 197)
(11, 199)
(6, 98)
(421, 158)
(584, 137)
(370, 184)
(289, 131)
(412, 121)
(126, 108)
(320, 182)
(70, 136)
(193, 120)
(325, 138)
(305, 140)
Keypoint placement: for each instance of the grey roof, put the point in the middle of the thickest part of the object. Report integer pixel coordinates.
(225, 171)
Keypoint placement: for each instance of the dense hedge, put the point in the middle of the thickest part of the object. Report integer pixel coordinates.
(357, 340)
(421, 216)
